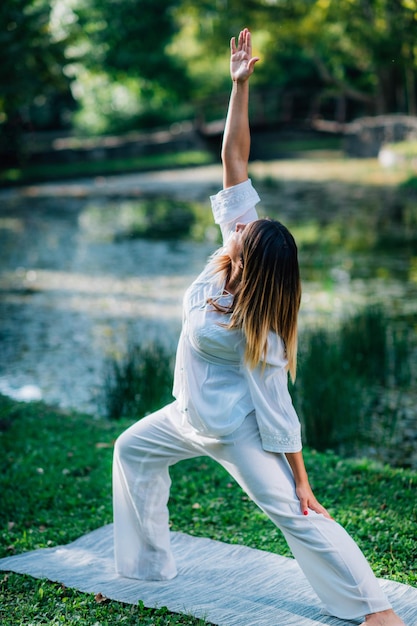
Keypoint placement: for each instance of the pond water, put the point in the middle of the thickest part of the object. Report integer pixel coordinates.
(77, 287)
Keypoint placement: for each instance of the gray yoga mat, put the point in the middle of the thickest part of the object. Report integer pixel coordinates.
(228, 585)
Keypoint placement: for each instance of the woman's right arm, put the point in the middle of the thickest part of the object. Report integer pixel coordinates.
(236, 137)
(302, 485)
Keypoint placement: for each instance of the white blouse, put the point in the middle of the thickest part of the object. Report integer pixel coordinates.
(213, 386)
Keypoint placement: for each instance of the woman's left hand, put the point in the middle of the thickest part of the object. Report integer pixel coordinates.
(242, 62)
(309, 501)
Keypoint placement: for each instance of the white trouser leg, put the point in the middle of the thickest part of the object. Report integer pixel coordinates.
(141, 483)
(330, 559)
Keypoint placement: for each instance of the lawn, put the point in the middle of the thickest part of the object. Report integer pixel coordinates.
(81, 169)
(55, 485)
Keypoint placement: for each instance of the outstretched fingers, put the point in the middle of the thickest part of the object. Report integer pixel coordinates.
(247, 42)
(308, 501)
(242, 38)
(244, 42)
(318, 508)
(233, 48)
(241, 62)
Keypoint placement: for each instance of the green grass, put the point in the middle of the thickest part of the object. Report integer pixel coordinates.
(81, 169)
(406, 149)
(55, 485)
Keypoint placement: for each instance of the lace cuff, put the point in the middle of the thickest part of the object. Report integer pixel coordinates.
(233, 202)
(277, 442)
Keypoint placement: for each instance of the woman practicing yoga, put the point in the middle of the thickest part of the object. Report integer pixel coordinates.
(237, 346)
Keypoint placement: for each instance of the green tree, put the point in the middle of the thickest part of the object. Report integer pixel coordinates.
(128, 40)
(362, 52)
(133, 62)
(31, 72)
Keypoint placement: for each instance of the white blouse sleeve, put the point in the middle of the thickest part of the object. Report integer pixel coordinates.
(234, 204)
(277, 419)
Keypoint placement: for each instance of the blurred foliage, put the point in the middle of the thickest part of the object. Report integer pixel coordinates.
(138, 383)
(12, 176)
(126, 78)
(361, 51)
(130, 36)
(157, 218)
(137, 63)
(355, 381)
(32, 79)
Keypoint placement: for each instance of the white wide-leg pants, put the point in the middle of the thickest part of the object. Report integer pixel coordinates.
(328, 556)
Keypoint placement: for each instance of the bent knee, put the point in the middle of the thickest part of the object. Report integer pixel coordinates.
(137, 442)
(127, 446)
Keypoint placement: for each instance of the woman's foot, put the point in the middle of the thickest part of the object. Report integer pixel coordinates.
(383, 618)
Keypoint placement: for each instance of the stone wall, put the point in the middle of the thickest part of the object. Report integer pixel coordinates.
(366, 136)
(70, 149)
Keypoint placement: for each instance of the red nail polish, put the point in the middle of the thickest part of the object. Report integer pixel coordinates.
(305, 512)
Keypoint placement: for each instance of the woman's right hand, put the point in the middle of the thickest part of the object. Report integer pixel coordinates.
(241, 61)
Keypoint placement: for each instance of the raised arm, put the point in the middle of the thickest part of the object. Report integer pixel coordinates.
(236, 137)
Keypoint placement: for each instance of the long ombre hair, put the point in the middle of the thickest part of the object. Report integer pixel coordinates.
(269, 294)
